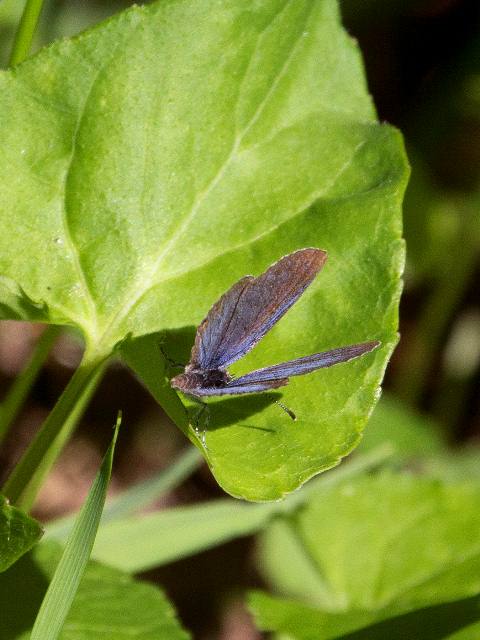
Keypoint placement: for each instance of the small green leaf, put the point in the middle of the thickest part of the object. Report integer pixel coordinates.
(108, 603)
(63, 587)
(370, 550)
(18, 533)
(148, 180)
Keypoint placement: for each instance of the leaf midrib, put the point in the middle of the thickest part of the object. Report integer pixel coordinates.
(92, 321)
(132, 295)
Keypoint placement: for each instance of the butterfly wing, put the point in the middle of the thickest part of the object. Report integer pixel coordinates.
(304, 365)
(233, 389)
(244, 314)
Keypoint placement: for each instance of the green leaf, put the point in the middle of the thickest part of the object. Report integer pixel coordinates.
(63, 587)
(412, 435)
(139, 544)
(142, 543)
(148, 179)
(18, 533)
(451, 621)
(108, 604)
(369, 550)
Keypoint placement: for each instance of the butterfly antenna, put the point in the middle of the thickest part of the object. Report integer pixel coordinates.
(172, 363)
(287, 410)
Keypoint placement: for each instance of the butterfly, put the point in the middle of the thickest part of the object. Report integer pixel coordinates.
(240, 319)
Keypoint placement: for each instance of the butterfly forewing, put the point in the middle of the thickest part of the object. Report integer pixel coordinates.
(251, 307)
(216, 325)
(303, 365)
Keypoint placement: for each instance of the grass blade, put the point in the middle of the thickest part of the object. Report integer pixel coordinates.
(63, 587)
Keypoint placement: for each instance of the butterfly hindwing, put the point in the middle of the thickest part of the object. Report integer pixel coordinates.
(233, 389)
(304, 365)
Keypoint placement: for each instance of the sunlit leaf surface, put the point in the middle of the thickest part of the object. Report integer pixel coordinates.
(374, 549)
(18, 533)
(150, 165)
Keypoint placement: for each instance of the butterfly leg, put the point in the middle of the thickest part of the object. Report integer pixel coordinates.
(204, 409)
(287, 410)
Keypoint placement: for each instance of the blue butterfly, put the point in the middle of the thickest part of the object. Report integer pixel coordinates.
(241, 317)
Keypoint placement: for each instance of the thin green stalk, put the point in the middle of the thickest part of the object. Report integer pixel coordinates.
(25, 31)
(22, 485)
(20, 389)
(458, 268)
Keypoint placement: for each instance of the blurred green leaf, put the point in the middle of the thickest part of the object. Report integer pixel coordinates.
(470, 632)
(18, 533)
(449, 621)
(10, 14)
(146, 188)
(372, 549)
(140, 543)
(412, 435)
(108, 604)
(64, 584)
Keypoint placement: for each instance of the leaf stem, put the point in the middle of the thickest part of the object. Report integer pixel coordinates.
(23, 484)
(450, 287)
(25, 31)
(19, 390)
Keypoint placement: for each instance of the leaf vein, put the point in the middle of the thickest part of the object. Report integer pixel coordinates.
(123, 313)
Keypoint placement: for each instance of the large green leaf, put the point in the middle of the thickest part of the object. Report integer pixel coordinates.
(18, 533)
(150, 165)
(136, 544)
(108, 604)
(370, 550)
(450, 621)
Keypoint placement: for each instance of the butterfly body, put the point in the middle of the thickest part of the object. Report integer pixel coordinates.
(241, 317)
(198, 379)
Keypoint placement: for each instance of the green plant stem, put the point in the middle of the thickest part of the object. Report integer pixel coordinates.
(22, 485)
(19, 390)
(25, 31)
(458, 268)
